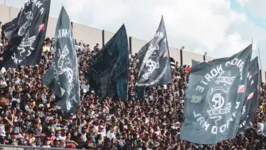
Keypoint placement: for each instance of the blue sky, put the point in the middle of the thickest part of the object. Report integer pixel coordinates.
(218, 27)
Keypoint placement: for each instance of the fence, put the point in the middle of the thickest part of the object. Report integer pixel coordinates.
(13, 147)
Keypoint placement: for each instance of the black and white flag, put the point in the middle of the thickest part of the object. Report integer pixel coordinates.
(25, 34)
(62, 77)
(214, 99)
(252, 96)
(173, 63)
(154, 61)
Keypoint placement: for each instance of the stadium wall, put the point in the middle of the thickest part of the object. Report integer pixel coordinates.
(91, 36)
(263, 75)
(189, 56)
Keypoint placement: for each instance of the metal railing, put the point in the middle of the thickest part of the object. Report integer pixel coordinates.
(20, 147)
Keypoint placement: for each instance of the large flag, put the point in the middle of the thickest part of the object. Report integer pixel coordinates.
(195, 62)
(214, 99)
(26, 34)
(62, 77)
(108, 70)
(252, 96)
(154, 61)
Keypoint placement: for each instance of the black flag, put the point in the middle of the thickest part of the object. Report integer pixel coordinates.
(214, 99)
(26, 34)
(62, 77)
(154, 61)
(252, 96)
(108, 70)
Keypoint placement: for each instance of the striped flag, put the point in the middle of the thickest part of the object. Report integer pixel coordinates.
(172, 60)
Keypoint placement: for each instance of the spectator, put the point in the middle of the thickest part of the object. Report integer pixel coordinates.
(96, 48)
(30, 117)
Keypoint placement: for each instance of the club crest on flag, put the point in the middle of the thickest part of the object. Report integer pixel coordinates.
(217, 115)
(154, 69)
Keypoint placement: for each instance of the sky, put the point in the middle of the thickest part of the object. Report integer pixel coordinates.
(218, 27)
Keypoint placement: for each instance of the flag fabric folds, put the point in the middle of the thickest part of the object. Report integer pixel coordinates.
(264, 129)
(195, 62)
(214, 99)
(62, 77)
(252, 96)
(25, 34)
(154, 61)
(108, 72)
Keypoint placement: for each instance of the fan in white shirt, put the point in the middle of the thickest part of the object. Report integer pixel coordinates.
(111, 133)
(260, 128)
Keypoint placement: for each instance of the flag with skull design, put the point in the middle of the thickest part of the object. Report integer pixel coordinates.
(62, 77)
(214, 99)
(25, 34)
(155, 68)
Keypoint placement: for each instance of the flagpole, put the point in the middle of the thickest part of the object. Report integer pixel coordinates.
(259, 58)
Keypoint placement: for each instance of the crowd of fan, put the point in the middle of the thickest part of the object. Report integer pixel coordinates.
(29, 115)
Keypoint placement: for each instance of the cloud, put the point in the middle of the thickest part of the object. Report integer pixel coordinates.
(201, 26)
(203, 23)
(255, 6)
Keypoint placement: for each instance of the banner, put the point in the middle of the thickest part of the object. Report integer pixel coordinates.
(154, 61)
(26, 34)
(108, 70)
(62, 77)
(195, 62)
(252, 96)
(214, 99)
